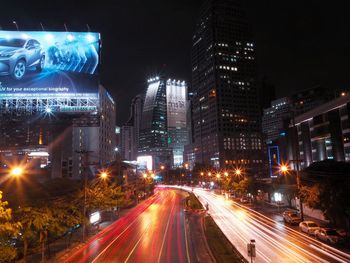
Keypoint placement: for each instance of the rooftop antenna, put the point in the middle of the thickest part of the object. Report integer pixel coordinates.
(42, 27)
(15, 23)
(88, 27)
(65, 27)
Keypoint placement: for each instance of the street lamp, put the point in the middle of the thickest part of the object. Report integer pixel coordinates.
(209, 174)
(16, 171)
(226, 174)
(284, 168)
(202, 173)
(104, 175)
(162, 167)
(238, 172)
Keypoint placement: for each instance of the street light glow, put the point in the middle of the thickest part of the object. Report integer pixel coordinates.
(218, 175)
(238, 172)
(104, 175)
(16, 171)
(226, 174)
(145, 175)
(284, 168)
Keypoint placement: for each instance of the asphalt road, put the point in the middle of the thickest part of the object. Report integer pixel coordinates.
(152, 232)
(275, 242)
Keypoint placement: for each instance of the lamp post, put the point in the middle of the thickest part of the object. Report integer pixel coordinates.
(218, 176)
(16, 171)
(144, 182)
(284, 170)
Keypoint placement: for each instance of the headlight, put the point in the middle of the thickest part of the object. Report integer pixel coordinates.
(7, 54)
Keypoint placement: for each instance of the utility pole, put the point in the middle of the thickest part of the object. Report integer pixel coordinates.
(85, 165)
(297, 161)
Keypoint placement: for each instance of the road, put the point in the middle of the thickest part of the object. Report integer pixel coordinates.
(275, 242)
(152, 232)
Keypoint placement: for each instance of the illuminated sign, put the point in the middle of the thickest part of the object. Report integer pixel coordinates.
(77, 108)
(176, 103)
(48, 62)
(145, 162)
(95, 217)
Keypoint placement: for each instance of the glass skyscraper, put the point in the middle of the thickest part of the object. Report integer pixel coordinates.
(225, 108)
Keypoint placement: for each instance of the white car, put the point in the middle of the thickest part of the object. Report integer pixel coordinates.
(309, 227)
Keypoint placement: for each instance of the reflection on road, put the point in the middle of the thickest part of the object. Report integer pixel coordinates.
(152, 232)
(275, 242)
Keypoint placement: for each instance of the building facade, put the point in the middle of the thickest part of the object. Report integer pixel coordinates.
(128, 142)
(226, 112)
(77, 130)
(176, 95)
(163, 130)
(322, 133)
(273, 120)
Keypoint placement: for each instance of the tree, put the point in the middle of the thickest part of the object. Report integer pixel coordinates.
(34, 222)
(328, 189)
(8, 230)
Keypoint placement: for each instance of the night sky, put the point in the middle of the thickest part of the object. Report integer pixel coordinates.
(298, 46)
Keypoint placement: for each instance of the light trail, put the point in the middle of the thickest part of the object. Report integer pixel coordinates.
(275, 242)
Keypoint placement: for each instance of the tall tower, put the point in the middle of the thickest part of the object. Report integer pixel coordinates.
(153, 140)
(226, 118)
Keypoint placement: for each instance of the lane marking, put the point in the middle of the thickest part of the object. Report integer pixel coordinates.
(137, 243)
(105, 249)
(186, 240)
(166, 231)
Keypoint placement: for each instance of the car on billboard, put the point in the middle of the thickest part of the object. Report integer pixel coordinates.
(17, 55)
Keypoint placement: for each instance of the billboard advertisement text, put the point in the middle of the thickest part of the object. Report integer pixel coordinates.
(48, 62)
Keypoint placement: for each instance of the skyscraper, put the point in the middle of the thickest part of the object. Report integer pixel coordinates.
(163, 132)
(226, 116)
(153, 138)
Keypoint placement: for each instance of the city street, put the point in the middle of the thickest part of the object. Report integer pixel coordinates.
(152, 232)
(275, 242)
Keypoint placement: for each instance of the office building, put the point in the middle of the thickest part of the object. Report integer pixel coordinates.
(128, 146)
(226, 112)
(274, 118)
(163, 131)
(77, 131)
(322, 133)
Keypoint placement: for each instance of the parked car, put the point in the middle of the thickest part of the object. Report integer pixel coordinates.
(291, 217)
(244, 200)
(17, 55)
(329, 235)
(309, 227)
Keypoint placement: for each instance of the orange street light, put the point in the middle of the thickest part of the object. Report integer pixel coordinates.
(202, 173)
(153, 175)
(162, 167)
(145, 175)
(16, 171)
(226, 174)
(238, 172)
(284, 168)
(104, 175)
(209, 174)
(186, 165)
(218, 175)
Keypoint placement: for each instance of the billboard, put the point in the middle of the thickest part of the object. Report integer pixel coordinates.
(48, 62)
(145, 162)
(176, 103)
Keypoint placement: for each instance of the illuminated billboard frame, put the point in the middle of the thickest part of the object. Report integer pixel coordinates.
(39, 62)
